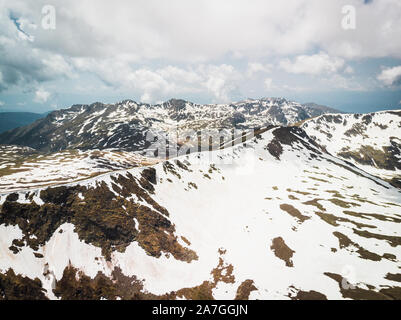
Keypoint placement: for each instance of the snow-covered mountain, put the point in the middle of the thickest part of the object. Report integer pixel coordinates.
(26, 168)
(370, 141)
(128, 124)
(274, 217)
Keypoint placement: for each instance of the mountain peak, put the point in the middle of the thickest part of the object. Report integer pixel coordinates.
(177, 104)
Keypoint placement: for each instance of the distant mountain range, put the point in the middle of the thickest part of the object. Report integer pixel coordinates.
(124, 125)
(11, 120)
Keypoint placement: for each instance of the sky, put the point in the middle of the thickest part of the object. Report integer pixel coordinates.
(341, 53)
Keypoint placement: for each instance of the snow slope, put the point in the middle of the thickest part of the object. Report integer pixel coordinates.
(26, 168)
(273, 218)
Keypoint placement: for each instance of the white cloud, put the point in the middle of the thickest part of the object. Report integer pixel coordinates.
(219, 81)
(1, 103)
(349, 70)
(268, 83)
(41, 95)
(157, 49)
(390, 76)
(58, 64)
(338, 81)
(294, 88)
(287, 27)
(254, 67)
(316, 64)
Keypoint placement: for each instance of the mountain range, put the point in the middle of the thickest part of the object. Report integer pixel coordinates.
(125, 125)
(12, 120)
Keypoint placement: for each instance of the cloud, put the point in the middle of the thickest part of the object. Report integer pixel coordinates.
(153, 84)
(157, 49)
(220, 81)
(268, 83)
(22, 62)
(41, 95)
(176, 31)
(390, 76)
(348, 70)
(316, 64)
(254, 67)
(1, 103)
(338, 81)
